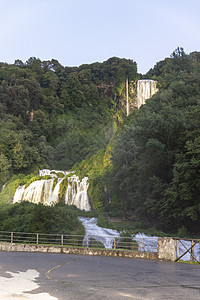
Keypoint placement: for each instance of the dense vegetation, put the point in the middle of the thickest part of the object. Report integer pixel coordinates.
(152, 172)
(29, 217)
(53, 116)
(144, 167)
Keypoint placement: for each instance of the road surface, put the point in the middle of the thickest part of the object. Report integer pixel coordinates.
(43, 276)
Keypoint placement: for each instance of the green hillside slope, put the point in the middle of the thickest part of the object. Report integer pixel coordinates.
(143, 167)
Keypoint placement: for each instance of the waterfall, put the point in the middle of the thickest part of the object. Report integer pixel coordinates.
(45, 191)
(53, 173)
(145, 89)
(39, 191)
(103, 235)
(54, 197)
(77, 193)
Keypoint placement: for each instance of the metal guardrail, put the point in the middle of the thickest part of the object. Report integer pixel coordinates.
(89, 241)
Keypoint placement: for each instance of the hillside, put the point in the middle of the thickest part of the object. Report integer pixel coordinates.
(156, 160)
(53, 116)
(152, 171)
(144, 167)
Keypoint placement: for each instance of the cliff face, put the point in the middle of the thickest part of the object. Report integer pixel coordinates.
(145, 90)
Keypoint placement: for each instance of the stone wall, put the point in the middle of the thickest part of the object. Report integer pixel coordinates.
(78, 251)
(166, 249)
(165, 246)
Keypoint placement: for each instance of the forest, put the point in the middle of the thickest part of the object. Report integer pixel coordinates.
(144, 167)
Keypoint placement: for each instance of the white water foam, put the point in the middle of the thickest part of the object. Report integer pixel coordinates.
(43, 191)
(103, 235)
(145, 243)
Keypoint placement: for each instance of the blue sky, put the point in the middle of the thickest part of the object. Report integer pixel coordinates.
(78, 32)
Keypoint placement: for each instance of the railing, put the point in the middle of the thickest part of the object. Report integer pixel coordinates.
(187, 249)
(90, 241)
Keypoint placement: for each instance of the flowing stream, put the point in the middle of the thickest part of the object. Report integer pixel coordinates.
(103, 235)
(47, 192)
(148, 243)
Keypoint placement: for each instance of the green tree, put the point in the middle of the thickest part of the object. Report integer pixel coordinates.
(4, 169)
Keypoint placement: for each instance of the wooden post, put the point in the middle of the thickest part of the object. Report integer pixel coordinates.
(187, 251)
(87, 243)
(37, 238)
(192, 252)
(11, 239)
(114, 244)
(199, 251)
(62, 240)
(177, 248)
(143, 244)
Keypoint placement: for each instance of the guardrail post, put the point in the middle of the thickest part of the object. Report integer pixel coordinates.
(192, 252)
(199, 251)
(11, 238)
(114, 244)
(62, 240)
(87, 243)
(37, 238)
(177, 248)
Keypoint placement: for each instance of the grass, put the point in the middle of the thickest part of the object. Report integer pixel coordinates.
(189, 262)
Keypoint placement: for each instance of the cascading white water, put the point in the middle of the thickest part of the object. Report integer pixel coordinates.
(39, 191)
(145, 89)
(53, 173)
(77, 193)
(145, 243)
(46, 192)
(103, 235)
(54, 197)
(149, 244)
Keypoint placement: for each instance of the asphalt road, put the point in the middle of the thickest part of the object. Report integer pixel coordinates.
(44, 276)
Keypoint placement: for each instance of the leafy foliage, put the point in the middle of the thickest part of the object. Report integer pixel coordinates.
(156, 156)
(145, 166)
(29, 217)
(54, 116)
